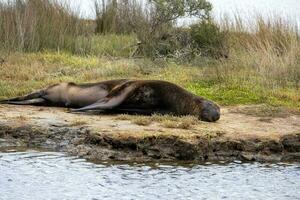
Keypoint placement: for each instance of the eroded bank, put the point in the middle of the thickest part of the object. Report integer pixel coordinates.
(238, 135)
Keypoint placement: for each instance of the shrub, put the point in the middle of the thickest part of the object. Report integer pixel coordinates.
(156, 33)
(209, 39)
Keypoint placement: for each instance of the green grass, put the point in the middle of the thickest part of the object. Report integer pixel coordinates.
(232, 94)
(227, 94)
(25, 72)
(113, 45)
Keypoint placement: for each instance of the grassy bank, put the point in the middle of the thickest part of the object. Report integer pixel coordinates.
(231, 63)
(24, 72)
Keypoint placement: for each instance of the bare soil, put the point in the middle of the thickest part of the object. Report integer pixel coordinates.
(239, 134)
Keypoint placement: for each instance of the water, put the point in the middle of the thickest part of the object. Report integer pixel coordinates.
(48, 175)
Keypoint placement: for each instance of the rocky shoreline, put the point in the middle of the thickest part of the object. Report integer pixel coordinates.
(100, 138)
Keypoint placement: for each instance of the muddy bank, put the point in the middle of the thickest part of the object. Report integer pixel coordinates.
(237, 135)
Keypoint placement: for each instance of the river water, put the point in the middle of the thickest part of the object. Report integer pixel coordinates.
(49, 175)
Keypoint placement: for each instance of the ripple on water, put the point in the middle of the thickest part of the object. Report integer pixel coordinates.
(48, 175)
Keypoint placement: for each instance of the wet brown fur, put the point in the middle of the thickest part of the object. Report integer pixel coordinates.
(151, 95)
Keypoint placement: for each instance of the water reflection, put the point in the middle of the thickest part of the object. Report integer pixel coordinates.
(48, 175)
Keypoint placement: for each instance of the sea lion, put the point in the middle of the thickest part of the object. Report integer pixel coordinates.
(139, 96)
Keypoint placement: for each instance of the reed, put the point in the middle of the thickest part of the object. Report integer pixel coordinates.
(267, 54)
(35, 25)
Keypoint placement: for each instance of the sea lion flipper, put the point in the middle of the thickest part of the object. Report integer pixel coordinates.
(99, 105)
(113, 99)
(30, 96)
(37, 101)
(103, 104)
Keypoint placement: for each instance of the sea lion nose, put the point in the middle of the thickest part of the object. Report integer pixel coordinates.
(215, 115)
(210, 113)
(210, 116)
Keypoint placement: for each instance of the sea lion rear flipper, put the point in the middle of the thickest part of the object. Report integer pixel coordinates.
(37, 101)
(30, 96)
(112, 100)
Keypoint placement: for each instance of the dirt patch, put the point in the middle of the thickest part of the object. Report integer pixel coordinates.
(265, 111)
(236, 135)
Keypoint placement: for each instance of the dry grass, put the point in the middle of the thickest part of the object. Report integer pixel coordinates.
(119, 17)
(170, 124)
(21, 118)
(167, 121)
(42, 24)
(142, 121)
(37, 70)
(185, 122)
(78, 122)
(269, 56)
(266, 111)
(263, 66)
(124, 117)
(244, 86)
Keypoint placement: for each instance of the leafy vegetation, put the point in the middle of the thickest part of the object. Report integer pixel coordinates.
(209, 39)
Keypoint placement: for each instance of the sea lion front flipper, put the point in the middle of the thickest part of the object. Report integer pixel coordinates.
(112, 100)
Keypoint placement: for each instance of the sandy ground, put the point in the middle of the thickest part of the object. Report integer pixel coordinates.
(232, 123)
(236, 124)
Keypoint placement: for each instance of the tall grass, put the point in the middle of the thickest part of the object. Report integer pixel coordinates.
(266, 55)
(34, 25)
(119, 16)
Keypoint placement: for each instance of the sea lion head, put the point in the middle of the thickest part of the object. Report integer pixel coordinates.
(210, 111)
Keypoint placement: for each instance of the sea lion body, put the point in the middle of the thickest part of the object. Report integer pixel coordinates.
(78, 95)
(151, 94)
(144, 96)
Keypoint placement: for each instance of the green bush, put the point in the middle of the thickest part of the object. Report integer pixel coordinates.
(159, 36)
(209, 39)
